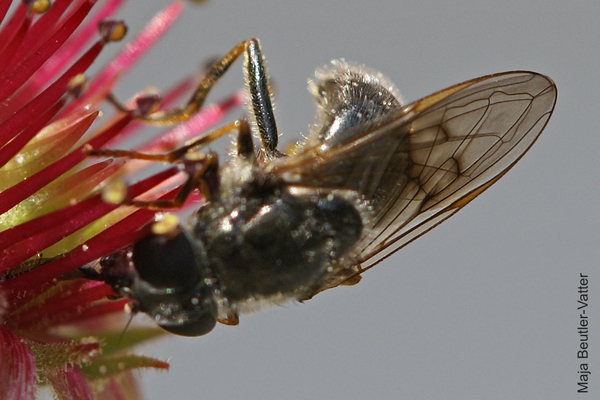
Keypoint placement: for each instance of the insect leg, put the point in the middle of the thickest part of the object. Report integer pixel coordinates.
(197, 165)
(244, 144)
(262, 109)
(258, 85)
(197, 171)
(194, 104)
(231, 319)
(174, 155)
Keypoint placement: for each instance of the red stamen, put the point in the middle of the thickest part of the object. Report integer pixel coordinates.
(169, 98)
(7, 56)
(102, 84)
(4, 6)
(21, 73)
(23, 116)
(201, 122)
(107, 241)
(72, 218)
(100, 309)
(13, 24)
(34, 243)
(45, 26)
(66, 54)
(17, 193)
(60, 309)
(14, 146)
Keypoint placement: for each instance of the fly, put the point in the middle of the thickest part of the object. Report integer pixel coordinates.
(374, 175)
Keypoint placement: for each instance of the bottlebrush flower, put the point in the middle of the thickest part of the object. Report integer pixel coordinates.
(55, 330)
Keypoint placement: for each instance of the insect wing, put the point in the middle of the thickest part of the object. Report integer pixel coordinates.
(460, 141)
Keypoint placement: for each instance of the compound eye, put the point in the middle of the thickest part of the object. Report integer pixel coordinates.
(166, 262)
(199, 326)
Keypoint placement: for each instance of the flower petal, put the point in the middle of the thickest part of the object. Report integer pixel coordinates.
(18, 379)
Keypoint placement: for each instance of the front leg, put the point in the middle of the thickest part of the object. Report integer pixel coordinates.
(258, 85)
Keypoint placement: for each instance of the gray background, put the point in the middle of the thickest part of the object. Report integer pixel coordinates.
(485, 305)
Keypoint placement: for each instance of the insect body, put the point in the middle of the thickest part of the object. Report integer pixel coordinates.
(374, 175)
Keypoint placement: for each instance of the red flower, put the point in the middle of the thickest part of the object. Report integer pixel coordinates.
(53, 329)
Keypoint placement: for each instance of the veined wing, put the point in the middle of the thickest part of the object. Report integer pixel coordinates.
(462, 140)
(458, 142)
